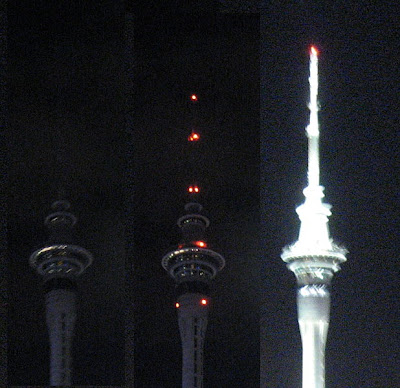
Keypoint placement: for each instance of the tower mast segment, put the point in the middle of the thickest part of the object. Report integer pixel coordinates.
(314, 257)
(313, 127)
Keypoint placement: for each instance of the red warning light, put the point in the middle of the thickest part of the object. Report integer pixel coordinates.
(177, 305)
(193, 189)
(201, 244)
(204, 302)
(193, 97)
(313, 50)
(194, 136)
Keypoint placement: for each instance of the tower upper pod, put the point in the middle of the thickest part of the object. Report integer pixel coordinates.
(59, 257)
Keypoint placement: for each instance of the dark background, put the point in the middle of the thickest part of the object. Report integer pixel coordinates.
(97, 104)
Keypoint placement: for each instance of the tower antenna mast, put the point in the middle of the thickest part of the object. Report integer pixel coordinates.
(313, 126)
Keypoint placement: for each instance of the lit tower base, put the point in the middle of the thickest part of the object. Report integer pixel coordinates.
(193, 266)
(314, 258)
(60, 263)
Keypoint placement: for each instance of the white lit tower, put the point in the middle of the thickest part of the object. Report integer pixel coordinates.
(60, 262)
(193, 264)
(314, 257)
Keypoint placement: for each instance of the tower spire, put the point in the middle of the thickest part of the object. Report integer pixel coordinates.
(313, 126)
(314, 257)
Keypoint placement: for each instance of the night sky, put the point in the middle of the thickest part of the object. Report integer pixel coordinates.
(98, 105)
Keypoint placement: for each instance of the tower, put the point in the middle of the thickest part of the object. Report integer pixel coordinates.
(192, 264)
(60, 263)
(314, 257)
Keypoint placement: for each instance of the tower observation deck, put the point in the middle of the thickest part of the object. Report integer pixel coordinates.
(314, 257)
(60, 263)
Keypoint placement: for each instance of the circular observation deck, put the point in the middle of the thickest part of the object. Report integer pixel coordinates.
(299, 256)
(61, 260)
(192, 263)
(314, 265)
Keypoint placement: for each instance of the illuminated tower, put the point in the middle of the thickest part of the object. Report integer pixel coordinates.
(314, 257)
(193, 265)
(60, 263)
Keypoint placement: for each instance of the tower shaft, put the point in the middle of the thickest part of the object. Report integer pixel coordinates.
(60, 317)
(192, 318)
(313, 336)
(313, 304)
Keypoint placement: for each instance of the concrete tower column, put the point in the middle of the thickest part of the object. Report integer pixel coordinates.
(192, 318)
(60, 317)
(313, 304)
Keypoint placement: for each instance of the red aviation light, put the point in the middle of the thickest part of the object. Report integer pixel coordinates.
(194, 189)
(313, 50)
(177, 305)
(194, 136)
(193, 98)
(200, 244)
(204, 302)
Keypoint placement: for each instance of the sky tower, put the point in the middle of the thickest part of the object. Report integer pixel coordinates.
(60, 263)
(314, 257)
(193, 265)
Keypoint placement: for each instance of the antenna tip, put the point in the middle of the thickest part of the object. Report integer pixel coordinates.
(313, 50)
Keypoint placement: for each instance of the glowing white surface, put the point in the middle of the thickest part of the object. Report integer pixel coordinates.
(313, 335)
(314, 238)
(313, 126)
(313, 304)
(313, 213)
